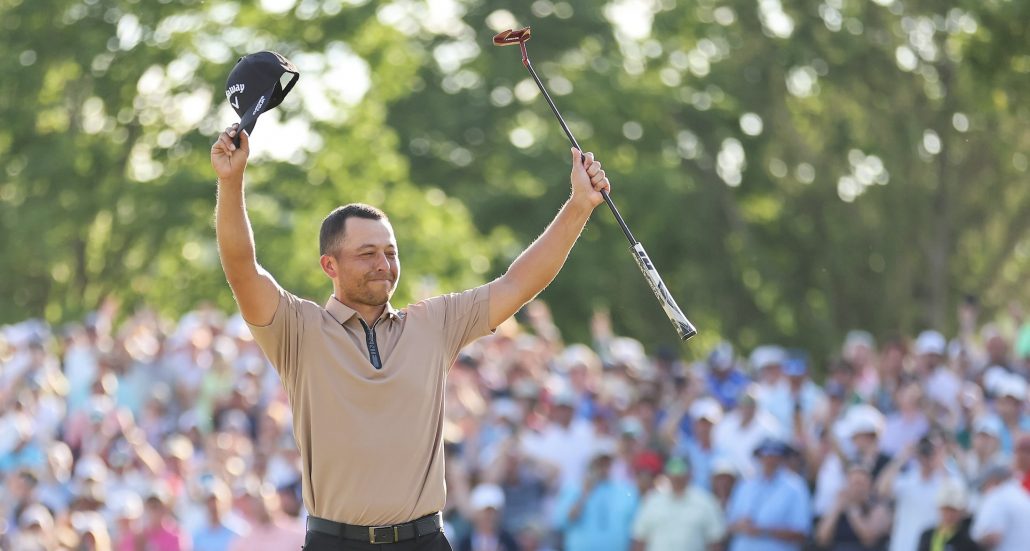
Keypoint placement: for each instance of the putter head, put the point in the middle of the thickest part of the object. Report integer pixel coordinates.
(509, 37)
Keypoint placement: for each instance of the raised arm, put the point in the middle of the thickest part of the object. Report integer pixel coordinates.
(257, 294)
(537, 266)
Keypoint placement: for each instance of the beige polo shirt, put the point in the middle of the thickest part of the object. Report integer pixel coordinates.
(371, 439)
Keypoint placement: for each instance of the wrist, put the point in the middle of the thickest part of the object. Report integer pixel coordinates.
(234, 181)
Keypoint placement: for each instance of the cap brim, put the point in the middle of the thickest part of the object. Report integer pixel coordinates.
(250, 116)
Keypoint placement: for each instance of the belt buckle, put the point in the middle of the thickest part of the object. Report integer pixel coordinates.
(383, 534)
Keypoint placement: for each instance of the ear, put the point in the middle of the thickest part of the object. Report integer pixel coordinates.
(328, 265)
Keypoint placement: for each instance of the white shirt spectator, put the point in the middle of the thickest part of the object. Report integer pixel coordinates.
(914, 512)
(691, 521)
(738, 443)
(1005, 511)
(570, 449)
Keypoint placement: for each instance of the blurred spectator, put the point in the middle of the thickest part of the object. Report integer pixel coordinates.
(678, 516)
(740, 431)
(268, 530)
(725, 381)
(98, 415)
(771, 510)
(218, 531)
(952, 530)
(913, 489)
(1022, 460)
(724, 480)
(1002, 520)
(487, 502)
(908, 424)
(858, 520)
(156, 529)
(596, 514)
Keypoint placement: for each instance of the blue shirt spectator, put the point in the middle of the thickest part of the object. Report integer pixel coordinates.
(597, 515)
(771, 511)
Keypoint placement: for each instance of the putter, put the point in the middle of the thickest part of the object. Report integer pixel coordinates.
(684, 328)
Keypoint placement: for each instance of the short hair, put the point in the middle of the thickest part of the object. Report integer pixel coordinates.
(333, 225)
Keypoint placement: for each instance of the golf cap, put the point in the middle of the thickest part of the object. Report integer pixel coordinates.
(707, 409)
(989, 425)
(930, 342)
(952, 494)
(257, 84)
(487, 496)
(772, 447)
(677, 466)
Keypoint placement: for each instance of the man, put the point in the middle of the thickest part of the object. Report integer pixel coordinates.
(952, 532)
(366, 381)
(700, 449)
(913, 490)
(597, 514)
(678, 516)
(724, 381)
(1002, 520)
(772, 510)
(487, 501)
(743, 429)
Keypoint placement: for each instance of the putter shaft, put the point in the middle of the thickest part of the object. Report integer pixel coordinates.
(572, 140)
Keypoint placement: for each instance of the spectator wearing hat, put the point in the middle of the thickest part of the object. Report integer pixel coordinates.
(699, 448)
(952, 531)
(985, 451)
(858, 520)
(725, 382)
(860, 430)
(770, 511)
(941, 382)
(795, 402)
(1011, 408)
(678, 516)
(1002, 520)
(724, 479)
(859, 350)
(743, 429)
(36, 530)
(597, 513)
(487, 502)
(913, 489)
(91, 530)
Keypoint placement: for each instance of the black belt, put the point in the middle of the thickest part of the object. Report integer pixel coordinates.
(429, 524)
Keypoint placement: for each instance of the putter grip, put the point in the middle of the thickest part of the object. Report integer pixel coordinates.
(684, 328)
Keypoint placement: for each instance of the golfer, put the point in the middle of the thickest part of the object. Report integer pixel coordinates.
(365, 380)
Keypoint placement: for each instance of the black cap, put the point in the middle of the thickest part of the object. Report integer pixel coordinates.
(255, 86)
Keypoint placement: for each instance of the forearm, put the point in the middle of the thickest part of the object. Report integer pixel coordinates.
(538, 265)
(827, 525)
(233, 231)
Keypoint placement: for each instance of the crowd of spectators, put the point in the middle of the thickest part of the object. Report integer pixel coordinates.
(163, 435)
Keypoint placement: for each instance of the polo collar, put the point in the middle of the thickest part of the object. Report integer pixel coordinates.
(342, 313)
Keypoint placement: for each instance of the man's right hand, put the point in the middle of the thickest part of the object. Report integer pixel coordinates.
(228, 160)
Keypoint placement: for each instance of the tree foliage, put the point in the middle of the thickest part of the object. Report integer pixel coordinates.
(795, 169)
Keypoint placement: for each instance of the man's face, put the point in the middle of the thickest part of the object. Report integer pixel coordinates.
(365, 266)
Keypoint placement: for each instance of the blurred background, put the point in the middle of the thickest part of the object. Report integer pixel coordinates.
(798, 171)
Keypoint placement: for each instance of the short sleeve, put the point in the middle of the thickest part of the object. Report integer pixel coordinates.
(643, 524)
(281, 339)
(989, 519)
(715, 528)
(464, 317)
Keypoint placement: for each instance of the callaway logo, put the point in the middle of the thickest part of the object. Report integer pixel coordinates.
(234, 89)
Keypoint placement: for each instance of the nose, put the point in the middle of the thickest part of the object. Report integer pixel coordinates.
(382, 263)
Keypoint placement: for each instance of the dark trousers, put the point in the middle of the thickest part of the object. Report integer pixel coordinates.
(317, 541)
